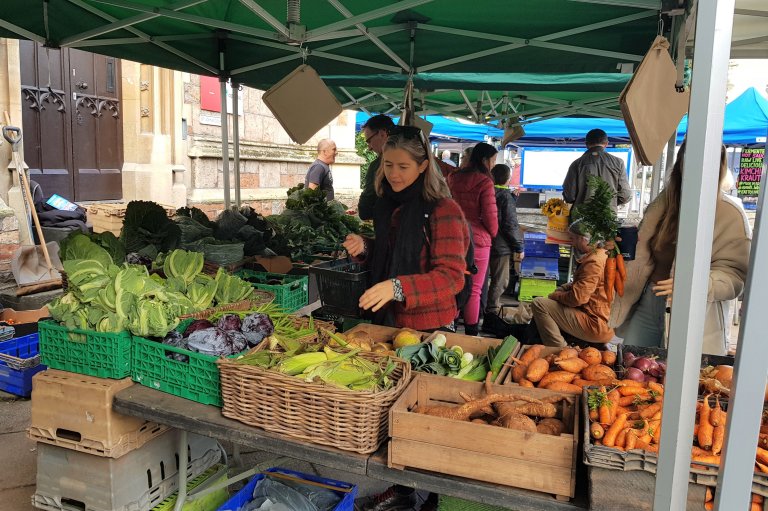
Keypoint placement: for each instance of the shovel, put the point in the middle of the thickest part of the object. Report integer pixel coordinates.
(32, 272)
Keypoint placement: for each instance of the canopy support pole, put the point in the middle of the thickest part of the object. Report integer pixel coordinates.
(714, 22)
(735, 482)
(224, 139)
(236, 136)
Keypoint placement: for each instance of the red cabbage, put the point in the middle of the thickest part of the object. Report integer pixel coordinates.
(229, 322)
(198, 324)
(256, 327)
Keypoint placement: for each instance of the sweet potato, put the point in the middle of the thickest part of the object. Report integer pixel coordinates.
(551, 426)
(591, 356)
(531, 354)
(550, 358)
(598, 372)
(561, 386)
(526, 383)
(609, 357)
(518, 372)
(513, 420)
(536, 370)
(478, 421)
(563, 376)
(534, 409)
(596, 431)
(581, 382)
(567, 353)
(572, 365)
(718, 435)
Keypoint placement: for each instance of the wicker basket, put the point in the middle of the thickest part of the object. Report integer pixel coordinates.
(256, 299)
(313, 412)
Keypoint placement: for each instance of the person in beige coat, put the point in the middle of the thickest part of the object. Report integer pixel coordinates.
(638, 316)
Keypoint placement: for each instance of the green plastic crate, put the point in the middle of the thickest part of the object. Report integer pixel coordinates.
(101, 354)
(197, 379)
(531, 288)
(454, 504)
(291, 295)
(207, 502)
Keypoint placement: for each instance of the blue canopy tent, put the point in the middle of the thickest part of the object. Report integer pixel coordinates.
(746, 120)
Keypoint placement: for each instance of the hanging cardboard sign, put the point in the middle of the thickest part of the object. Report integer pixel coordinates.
(302, 103)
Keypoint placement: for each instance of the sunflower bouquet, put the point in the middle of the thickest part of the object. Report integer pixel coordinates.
(555, 207)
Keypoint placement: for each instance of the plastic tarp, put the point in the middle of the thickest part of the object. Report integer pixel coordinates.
(746, 120)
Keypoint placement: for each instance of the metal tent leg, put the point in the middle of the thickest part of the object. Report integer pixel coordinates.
(236, 137)
(224, 140)
(694, 247)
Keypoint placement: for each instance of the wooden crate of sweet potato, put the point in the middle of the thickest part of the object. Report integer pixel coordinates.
(567, 369)
(515, 436)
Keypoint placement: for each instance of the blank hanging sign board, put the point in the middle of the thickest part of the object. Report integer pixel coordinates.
(651, 106)
(302, 103)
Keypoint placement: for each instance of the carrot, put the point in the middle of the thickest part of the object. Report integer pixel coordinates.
(656, 387)
(656, 431)
(762, 456)
(631, 383)
(631, 441)
(761, 467)
(621, 439)
(613, 396)
(755, 506)
(632, 391)
(593, 415)
(610, 436)
(698, 451)
(620, 268)
(709, 506)
(618, 285)
(603, 409)
(610, 276)
(709, 496)
(706, 430)
(716, 415)
(757, 498)
(656, 416)
(696, 430)
(650, 411)
(596, 430)
(718, 435)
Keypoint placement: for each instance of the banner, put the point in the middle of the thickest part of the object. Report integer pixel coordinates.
(750, 173)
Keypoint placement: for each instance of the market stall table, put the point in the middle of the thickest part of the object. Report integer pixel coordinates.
(207, 420)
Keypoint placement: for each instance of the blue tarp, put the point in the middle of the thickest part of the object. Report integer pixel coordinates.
(746, 121)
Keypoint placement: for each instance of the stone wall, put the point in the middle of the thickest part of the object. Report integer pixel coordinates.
(9, 241)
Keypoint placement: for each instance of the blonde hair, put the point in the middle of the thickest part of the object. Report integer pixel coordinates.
(435, 187)
(666, 231)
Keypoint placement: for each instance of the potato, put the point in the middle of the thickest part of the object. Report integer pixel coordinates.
(554, 376)
(551, 426)
(572, 365)
(609, 357)
(531, 354)
(567, 353)
(536, 370)
(518, 372)
(598, 372)
(591, 356)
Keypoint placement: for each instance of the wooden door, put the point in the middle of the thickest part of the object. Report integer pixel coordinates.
(72, 131)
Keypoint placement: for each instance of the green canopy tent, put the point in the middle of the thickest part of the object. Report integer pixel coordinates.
(464, 61)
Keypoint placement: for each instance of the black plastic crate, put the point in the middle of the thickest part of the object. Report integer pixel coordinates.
(340, 284)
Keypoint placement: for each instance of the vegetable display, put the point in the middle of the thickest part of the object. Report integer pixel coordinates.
(310, 362)
(108, 298)
(435, 357)
(512, 411)
(309, 220)
(568, 370)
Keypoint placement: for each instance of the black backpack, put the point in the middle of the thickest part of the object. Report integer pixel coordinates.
(462, 297)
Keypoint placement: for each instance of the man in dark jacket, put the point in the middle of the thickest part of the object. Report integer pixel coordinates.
(376, 131)
(596, 162)
(507, 244)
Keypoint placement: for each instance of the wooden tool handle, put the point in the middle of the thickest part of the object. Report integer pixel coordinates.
(28, 194)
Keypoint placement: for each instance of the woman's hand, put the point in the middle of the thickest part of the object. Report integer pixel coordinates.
(354, 244)
(378, 296)
(663, 287)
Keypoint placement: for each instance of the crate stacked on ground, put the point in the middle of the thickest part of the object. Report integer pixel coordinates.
(109, 216)
(90, 457)
(539, 271)
(19, 362)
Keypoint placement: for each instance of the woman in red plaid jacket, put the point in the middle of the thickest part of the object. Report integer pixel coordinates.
(417, 260)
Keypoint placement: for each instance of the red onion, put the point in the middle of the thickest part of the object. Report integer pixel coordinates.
(634, 374)
(644, 364)
(651, 379)
(628, 359)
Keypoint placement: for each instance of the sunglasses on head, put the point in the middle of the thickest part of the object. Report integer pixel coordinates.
(405, 131)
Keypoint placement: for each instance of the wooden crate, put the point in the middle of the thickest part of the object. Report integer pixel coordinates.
(533, 461)
(109, 216)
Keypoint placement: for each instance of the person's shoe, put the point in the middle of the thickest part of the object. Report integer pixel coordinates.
(471, 329)
(392, 500)
(489, 323)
